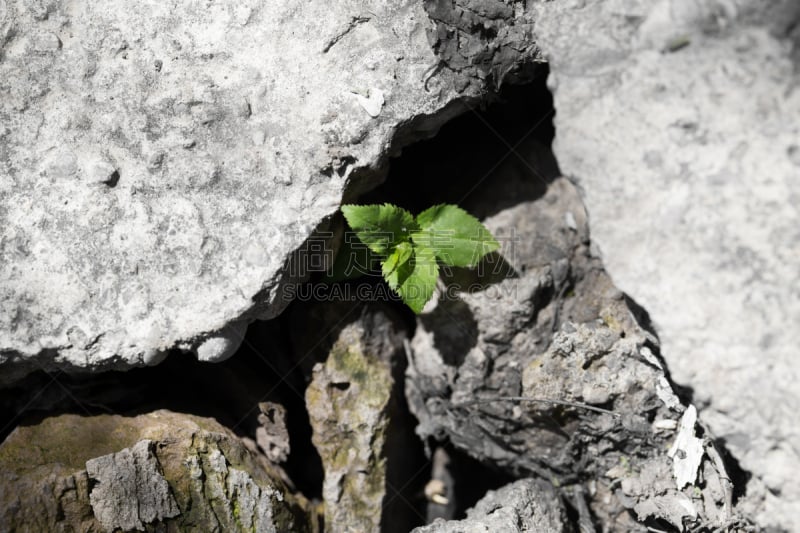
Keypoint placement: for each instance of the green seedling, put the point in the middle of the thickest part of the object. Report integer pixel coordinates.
(411, 248)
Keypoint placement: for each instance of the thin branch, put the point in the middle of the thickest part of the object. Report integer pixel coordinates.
(725, 480)
(584, 514)
(542, 400)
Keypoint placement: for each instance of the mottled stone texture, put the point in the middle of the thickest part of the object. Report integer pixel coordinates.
(348, 399)
(541, 368)
(353, 404)
(480, 41)
(523, 506)
(679, 121)
(129, 489)
(161, 163)
(157, 472)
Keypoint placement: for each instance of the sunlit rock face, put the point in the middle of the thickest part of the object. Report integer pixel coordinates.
(161, 163)
(677, 120)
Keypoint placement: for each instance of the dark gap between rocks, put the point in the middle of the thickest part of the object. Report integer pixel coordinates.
(453, 167)
(230, 391)
(739, 476)
(471, 480)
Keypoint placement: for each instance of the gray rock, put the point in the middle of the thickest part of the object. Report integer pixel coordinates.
(677, 119)
(525, 505)
(272, 436)
(351, 401)
(129, 489)
(540, 368)
(159, 471)
(480, 40)
(159, 166)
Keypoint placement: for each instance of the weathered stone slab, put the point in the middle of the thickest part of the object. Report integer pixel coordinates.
(161, 163)
(679, 121)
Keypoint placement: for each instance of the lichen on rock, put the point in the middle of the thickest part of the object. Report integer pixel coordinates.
(108, 473)
(349, 400)
(129, 490)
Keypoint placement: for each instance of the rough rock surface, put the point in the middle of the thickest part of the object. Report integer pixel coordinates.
(678, 120)
(154, 471)
(160, 164)
(348, 399)
(480, 40)
(541, 369)
(129, 489)
(525, 505)
(353, 408)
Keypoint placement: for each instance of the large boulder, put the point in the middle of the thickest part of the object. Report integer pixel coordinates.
(150, 472)
(679, 121)
(160, 164)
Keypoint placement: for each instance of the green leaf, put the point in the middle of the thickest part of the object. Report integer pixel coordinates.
(397, 259)
(398, 276)
(380, 227)
(410, 248)
(457, 238)
(420, 274)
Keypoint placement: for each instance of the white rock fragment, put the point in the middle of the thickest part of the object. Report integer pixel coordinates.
(372, 103)
(101, 171)
(665, 425)
(687, 451)
(223, 345)
(569, 219)
(663, 386)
